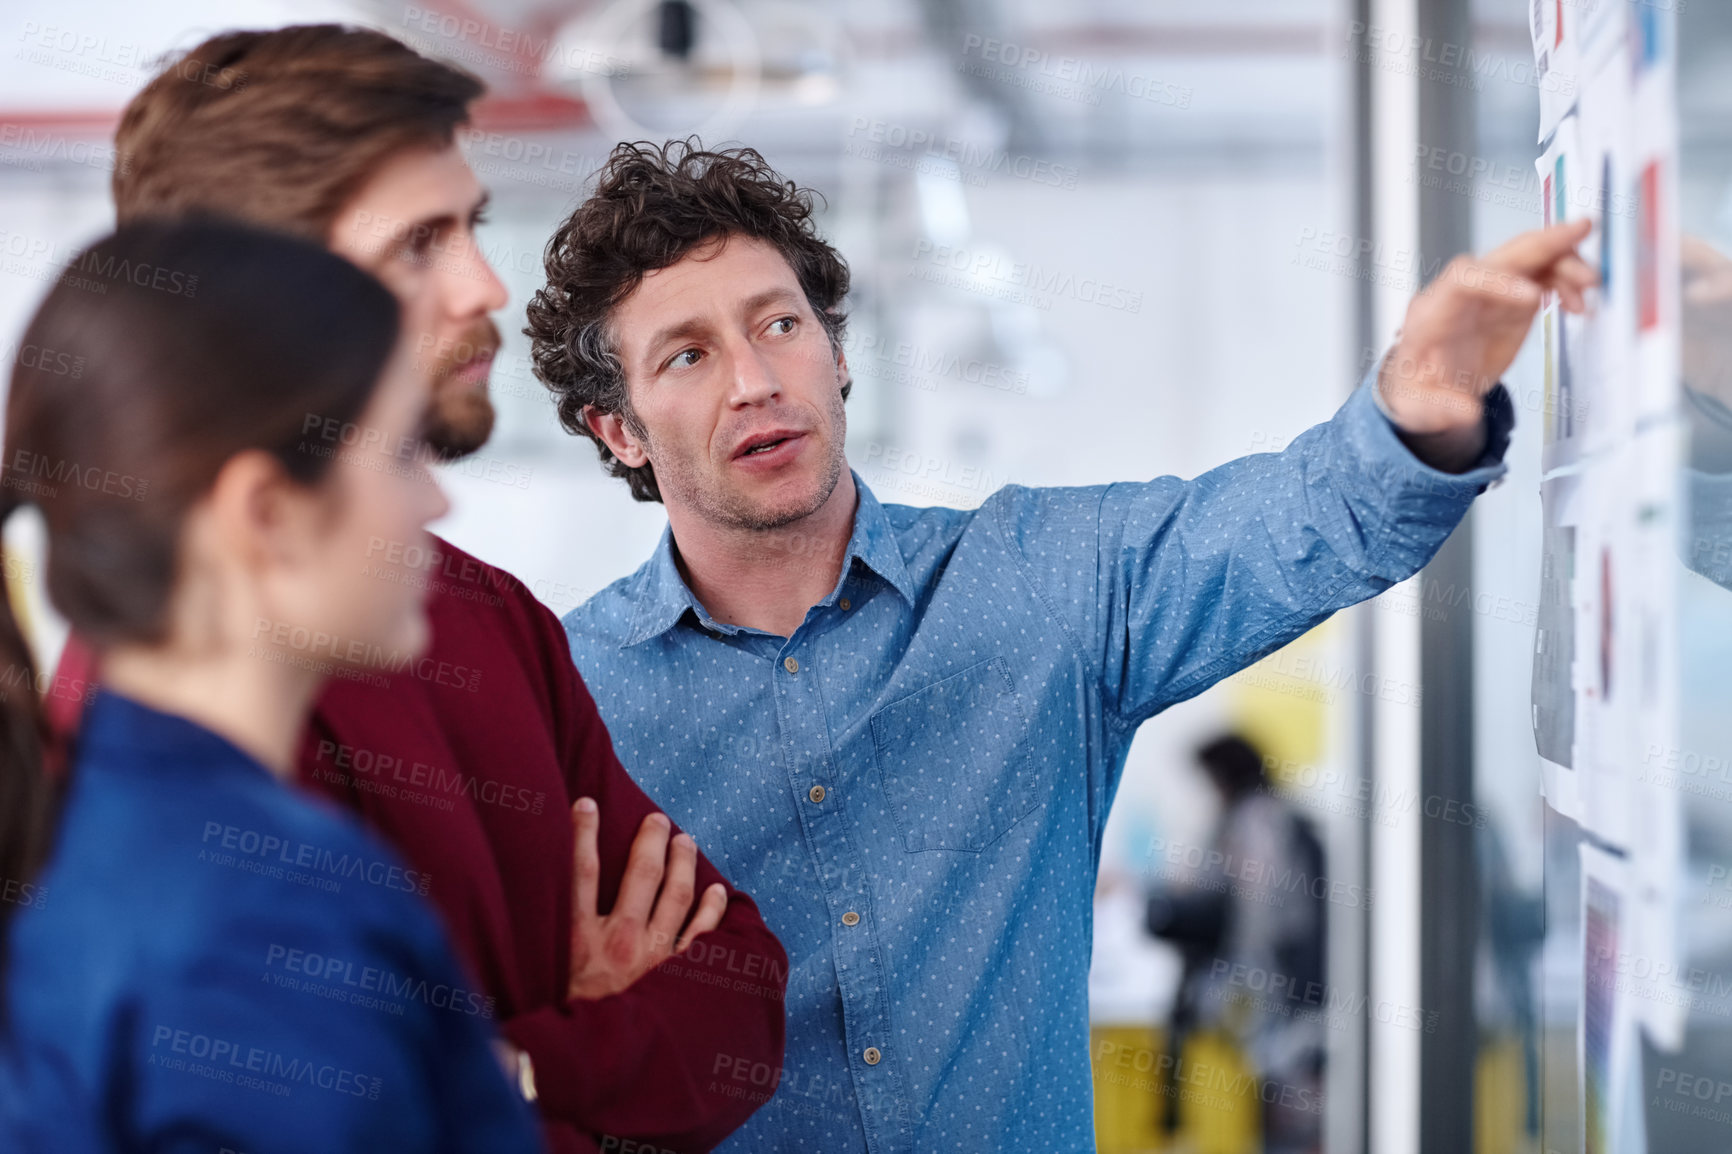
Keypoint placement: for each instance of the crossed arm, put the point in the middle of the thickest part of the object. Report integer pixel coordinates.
(611, 951)
(632, 1052)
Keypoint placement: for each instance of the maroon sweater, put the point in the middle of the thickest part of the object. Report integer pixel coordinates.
(468, 760)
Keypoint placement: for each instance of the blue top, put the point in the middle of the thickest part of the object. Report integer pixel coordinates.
(966, 696)
(212, 961)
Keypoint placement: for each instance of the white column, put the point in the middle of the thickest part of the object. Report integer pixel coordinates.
(1394, 986)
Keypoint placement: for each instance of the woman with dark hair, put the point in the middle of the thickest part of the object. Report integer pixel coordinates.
(208, 960)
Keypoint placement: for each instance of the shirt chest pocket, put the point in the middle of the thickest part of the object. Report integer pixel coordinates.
(953, 760)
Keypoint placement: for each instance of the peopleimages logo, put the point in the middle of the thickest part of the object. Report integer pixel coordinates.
(226, 844)
(318, 644)
(915, 141)
(22, 893)
(46, 360)
(42, 476)
(1254, 875)
(909, 363)
(1276, 992)
(227, 1061)
(1215, 1087)
(140, 273)
(26, 148)
(395, 776)
(993, 274)
(368, 986)
(1073, 77)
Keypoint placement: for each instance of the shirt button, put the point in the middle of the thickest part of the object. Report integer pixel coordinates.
(850, 918)
(845, 603)
(816, 793)
(790, 665)
(872, 1055)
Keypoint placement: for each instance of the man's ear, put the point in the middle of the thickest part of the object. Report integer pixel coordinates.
(843, 377)
(612, 430)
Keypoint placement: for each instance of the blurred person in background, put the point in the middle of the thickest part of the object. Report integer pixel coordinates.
(1254, 919)
(150, 997)
(947, 696)
(485, 763)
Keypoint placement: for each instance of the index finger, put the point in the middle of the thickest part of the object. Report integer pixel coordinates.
(585, 858)
(1533, 252)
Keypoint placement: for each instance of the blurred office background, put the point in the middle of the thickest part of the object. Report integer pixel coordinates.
(1090, 240)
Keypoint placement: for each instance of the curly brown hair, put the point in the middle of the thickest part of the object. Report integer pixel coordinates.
(652, 206)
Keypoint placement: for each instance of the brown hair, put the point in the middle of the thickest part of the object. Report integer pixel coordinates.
(281, 127)
(652, 206)
(163, 351)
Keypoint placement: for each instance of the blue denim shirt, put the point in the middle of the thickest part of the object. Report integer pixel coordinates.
(913, 786)
(211, 961)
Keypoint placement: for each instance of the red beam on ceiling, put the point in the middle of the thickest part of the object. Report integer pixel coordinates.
(69, 122)
(539, 110)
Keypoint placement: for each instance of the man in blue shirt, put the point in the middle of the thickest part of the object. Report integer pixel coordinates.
(902, 728)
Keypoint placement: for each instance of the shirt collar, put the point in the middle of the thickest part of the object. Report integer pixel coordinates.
(661, 596)
(115, 725)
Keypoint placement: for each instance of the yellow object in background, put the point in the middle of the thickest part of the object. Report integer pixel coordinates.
(1219, 1110)
(1211, 1085)
(1128, 1085)
(1500, 1097)
(1281, 702)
